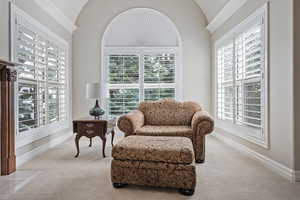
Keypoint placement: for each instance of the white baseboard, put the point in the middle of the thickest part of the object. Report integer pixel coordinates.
(280, 169)
(41, 149)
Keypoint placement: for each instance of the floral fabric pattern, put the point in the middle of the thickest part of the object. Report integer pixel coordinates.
(170, 118)
(154, 161)
(179, 131)
(168, 112)
(176, 150)
(130, 122)
(198, 118)
(156, 174)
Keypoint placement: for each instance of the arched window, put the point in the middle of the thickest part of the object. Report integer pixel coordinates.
(141, 60)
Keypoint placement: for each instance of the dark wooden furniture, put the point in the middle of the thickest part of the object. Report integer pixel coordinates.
(91, 128)
(7, 109)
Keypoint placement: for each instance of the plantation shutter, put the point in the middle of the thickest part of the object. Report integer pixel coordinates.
(31, 54)
(123, 84)
(132, 78)
(41, 79)
(159, 76)
(62, 84)
(56, 78)
(249, 65)
(240, 79)
(52, 77)
(225, 76)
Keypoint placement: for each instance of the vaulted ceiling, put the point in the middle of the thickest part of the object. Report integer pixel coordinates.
(211, 7)
(72, 8)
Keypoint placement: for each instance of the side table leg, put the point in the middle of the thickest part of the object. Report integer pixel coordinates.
(112, 137)
(103, 138)
(77, 145)
(91, 141)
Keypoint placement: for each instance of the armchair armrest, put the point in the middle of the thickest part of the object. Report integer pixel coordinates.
(130, 122)
(202, 123)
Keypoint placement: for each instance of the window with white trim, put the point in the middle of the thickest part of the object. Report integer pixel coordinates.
(137, 76)
(42, 77)
(241, 75)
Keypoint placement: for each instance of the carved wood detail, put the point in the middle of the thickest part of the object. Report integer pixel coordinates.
(12, 75)
(8, 157)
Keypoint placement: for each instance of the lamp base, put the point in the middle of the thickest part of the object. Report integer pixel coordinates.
(97, 111)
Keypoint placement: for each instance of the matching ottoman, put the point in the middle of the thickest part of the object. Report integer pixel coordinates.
(154, 161)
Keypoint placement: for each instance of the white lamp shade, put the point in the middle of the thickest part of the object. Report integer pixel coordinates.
(93, 90)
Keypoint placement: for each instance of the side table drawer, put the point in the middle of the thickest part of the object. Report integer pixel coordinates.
(89, 129)
(88, 125)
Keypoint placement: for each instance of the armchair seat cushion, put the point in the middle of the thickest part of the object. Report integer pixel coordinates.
(180, 131)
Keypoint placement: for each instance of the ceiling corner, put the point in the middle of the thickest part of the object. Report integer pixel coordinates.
(50, 8)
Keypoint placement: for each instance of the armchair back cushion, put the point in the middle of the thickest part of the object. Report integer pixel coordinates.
(169, 112)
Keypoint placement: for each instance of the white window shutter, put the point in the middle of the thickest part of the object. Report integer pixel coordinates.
(126, 86)
(42, 77)
(249, 56)
(240, 67)
(159, 76)
(123, 79)
(225, 76)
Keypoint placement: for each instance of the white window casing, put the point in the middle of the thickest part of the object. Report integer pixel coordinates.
(42, 93)
(124, 87)
(241, 65)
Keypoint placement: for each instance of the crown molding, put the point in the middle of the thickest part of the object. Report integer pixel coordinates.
(57, 15)
(229, 9)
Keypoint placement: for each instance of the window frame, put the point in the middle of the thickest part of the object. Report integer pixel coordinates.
(40, 132)
(260, 138)
(140, 51)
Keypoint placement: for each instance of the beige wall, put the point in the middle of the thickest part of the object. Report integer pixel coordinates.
(4, 29)
(31, 8)
(190, 23)
(297, 81)
(281, 77)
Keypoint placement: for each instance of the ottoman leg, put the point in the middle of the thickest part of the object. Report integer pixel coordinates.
(187, 192)
(119, 185)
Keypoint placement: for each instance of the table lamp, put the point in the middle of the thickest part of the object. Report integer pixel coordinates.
(93, 92)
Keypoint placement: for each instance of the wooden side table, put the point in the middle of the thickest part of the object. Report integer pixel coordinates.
(91, 128)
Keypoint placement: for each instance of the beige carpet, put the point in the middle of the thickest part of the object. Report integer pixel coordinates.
(57, 175)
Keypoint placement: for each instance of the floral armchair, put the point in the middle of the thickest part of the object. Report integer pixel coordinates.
(170, 118)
